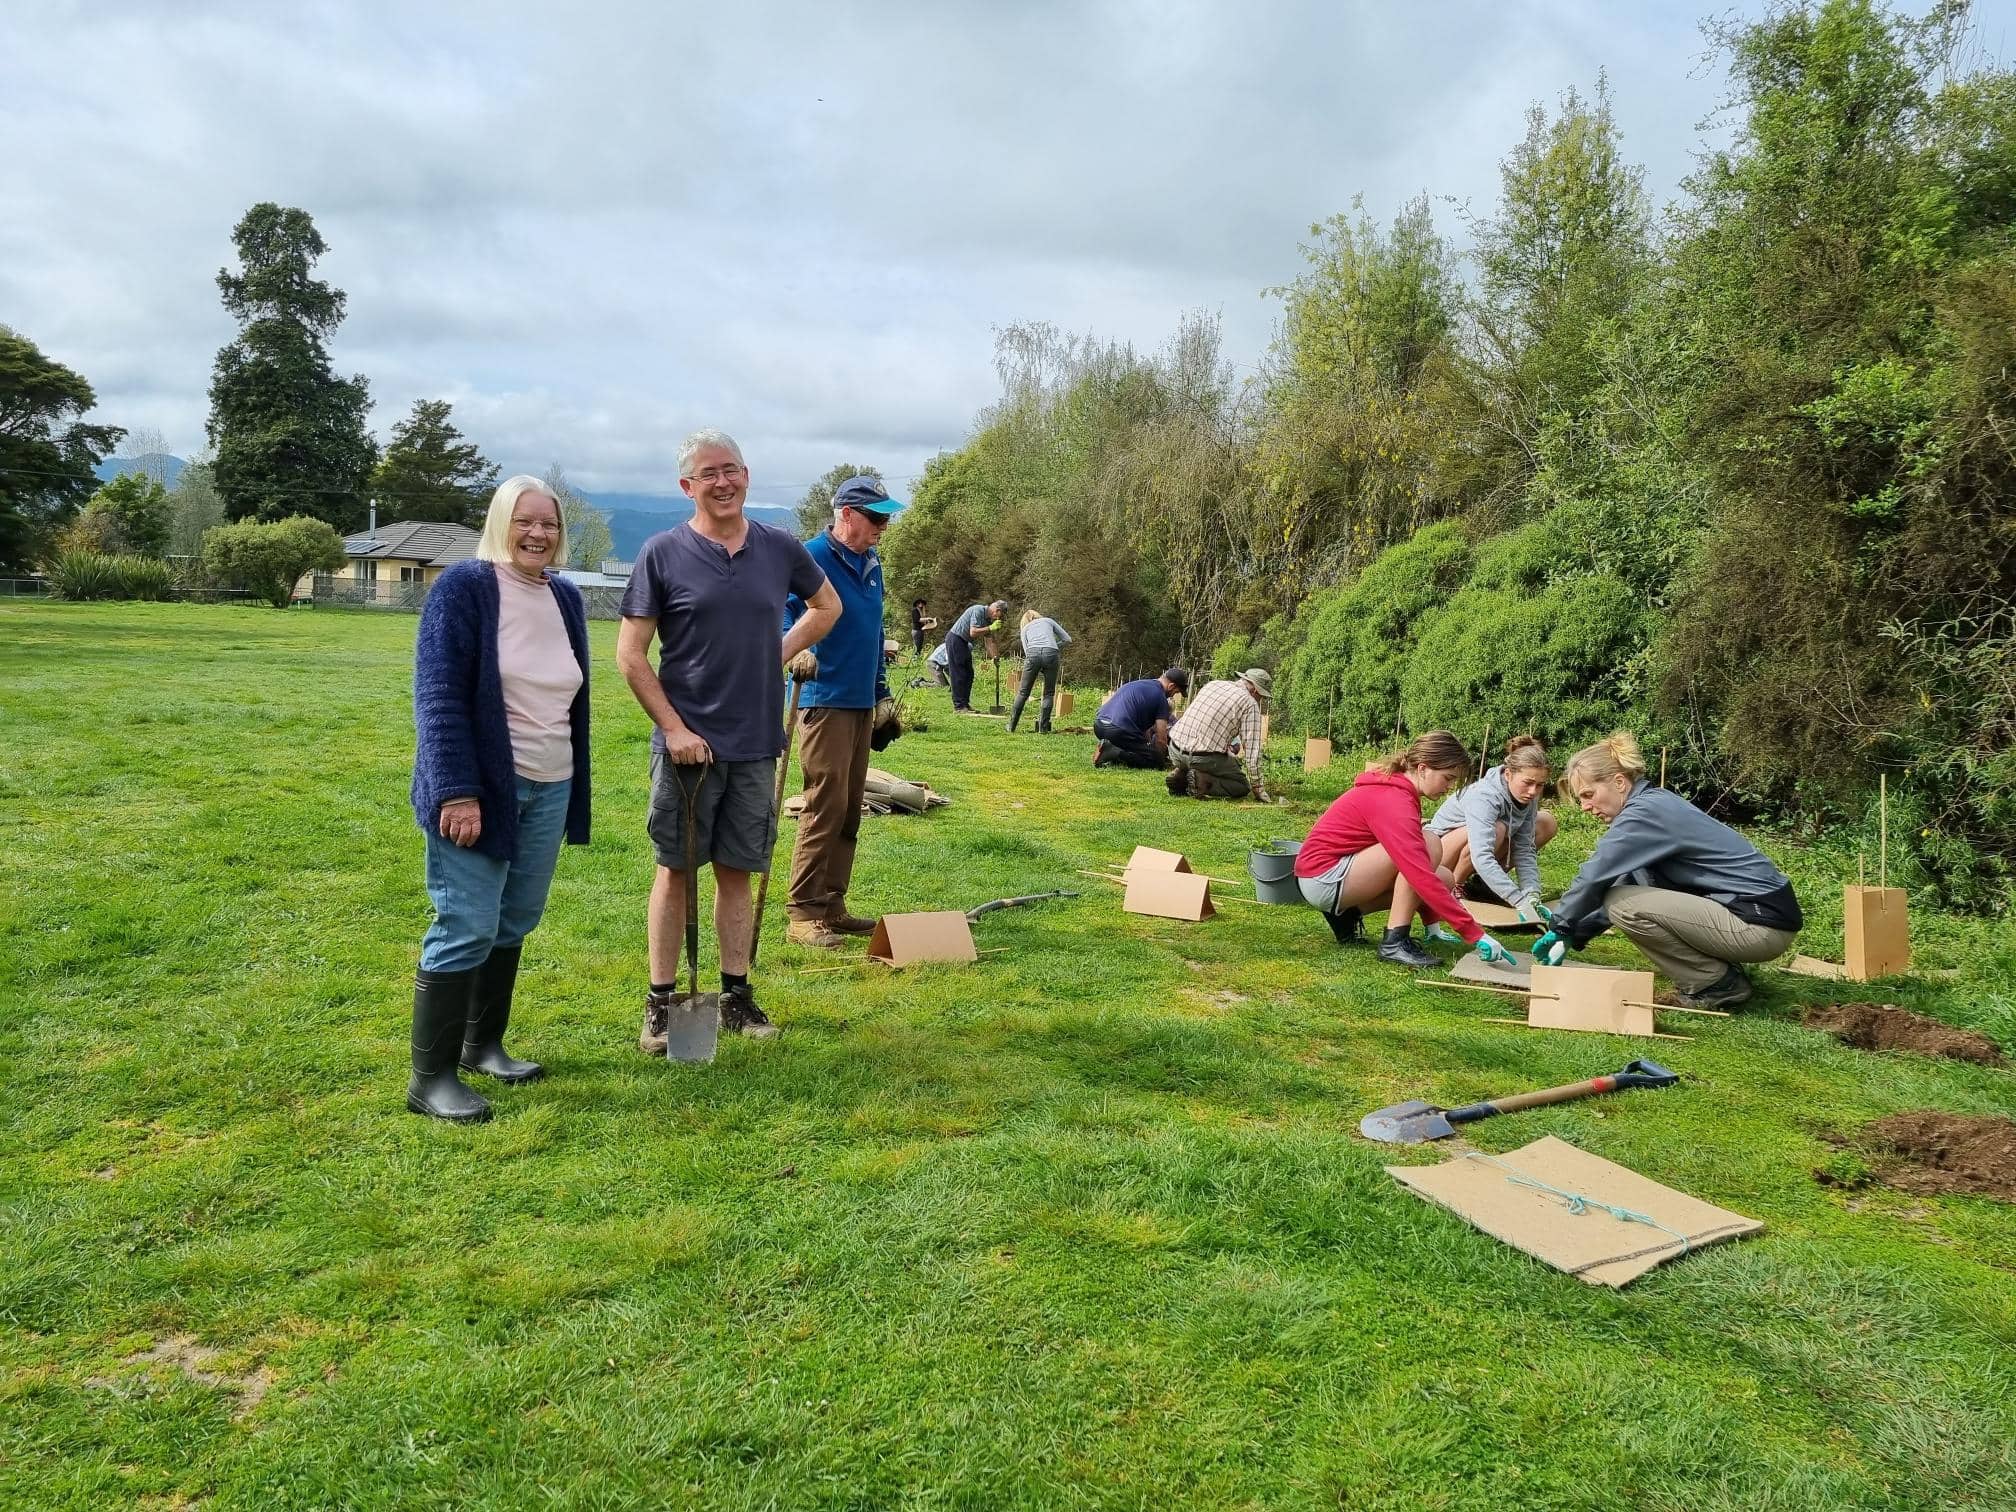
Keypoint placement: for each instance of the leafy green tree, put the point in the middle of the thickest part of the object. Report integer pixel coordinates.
(430, 472)
(129, 515)
(47, 453)
(289, 435)
(815, 509)
(270, 556)
(589, 543)
(194, 506)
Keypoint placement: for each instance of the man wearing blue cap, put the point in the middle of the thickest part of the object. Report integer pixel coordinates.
(840, 710)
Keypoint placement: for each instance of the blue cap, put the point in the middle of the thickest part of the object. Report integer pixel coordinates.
(866, 495)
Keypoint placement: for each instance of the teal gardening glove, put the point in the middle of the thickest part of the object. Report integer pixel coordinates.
(1491, 952)
(1531, 908)
(1549, 949)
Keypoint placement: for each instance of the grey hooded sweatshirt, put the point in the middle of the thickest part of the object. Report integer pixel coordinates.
(1661, 840)
(1480, 808)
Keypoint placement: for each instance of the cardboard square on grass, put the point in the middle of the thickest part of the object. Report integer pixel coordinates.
(1498, 916)
(1813, 966)
(1315, 754)
(1168, 895)
(1594, 1245)
(1518, 972)
(1147, 858)
(1595, 999)
(1065, 702)
(907, 939)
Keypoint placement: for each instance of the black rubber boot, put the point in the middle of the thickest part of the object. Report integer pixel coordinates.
(440, 1013)
(490, 1016)
(1398, 947)
(1348, 926)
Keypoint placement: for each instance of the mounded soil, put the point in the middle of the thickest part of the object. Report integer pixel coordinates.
(1884, 1026)
(1948, 1152)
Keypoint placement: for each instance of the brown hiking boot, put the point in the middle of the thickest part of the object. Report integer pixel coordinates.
(1200, 785)
(846, 923)
(1177, 781)
(814, 933)
(657, 1008)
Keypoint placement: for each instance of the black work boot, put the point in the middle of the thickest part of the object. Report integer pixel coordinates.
(1178, 782)
(1348, 926)
(740, 1015)
(1398, 947)
(1731, 990)
(440, 1013)
(490, 1015)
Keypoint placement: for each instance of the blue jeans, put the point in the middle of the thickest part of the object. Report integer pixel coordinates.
(481, 903)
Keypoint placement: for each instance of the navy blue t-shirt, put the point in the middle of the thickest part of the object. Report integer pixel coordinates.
(1137, 705)
(720, 636)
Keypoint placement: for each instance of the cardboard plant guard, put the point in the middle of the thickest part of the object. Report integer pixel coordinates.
(1147, 858)
(1499, 1195)
(1168, 894)
(1065, 702)
(1599, 1000)
(1315, 753)
(907, 939)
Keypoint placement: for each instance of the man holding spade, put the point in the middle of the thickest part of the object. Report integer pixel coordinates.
(841, 708)
(712, 591)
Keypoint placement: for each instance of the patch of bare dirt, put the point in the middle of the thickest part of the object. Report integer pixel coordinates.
(1885, 1026)
(194, 1361)
(1946, 1153)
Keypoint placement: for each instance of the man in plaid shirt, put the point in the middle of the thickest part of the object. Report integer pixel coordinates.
(1223, 715)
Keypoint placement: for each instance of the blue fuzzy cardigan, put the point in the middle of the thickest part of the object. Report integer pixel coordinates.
(464, 745)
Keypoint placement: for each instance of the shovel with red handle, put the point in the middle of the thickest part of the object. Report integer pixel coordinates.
(1418, 1122)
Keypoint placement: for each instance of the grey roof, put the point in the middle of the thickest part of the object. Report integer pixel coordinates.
(427, 541)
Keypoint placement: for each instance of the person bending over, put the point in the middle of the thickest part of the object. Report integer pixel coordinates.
(1369, 852)
(1133, 725)
(1688, 890)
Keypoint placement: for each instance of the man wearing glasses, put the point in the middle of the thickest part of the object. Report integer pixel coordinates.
(712, 592)
(843, 706)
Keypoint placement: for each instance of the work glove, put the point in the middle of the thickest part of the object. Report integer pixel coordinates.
(804, 666)
(1549, 949)
(1491, 952)
(1530, 909)
(1444, 934)
(885, 713)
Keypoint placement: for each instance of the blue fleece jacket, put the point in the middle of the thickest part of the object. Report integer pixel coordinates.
(851, 674)
(464, 744)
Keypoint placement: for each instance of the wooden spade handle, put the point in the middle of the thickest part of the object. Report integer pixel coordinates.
(1595, 1086)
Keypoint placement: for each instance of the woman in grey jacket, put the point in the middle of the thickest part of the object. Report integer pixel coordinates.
(1043, 643)
(1494, 828)
(1686, 889)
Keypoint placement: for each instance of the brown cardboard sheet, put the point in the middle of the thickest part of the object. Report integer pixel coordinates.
(907, 939)
(1518, 972)
(1595, 1245)
(1168, 895)
(1598, 999)
(1147, 858)
(1316, 753)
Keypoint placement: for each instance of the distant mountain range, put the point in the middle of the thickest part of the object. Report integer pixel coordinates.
(633, 517)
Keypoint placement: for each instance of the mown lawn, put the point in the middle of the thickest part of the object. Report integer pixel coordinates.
(1085, 1225)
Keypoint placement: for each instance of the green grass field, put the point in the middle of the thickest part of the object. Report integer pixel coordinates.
(1086, 1225)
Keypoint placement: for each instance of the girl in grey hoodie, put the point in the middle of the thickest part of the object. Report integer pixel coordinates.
(1495, 827)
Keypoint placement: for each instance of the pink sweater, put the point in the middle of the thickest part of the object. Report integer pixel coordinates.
(540, 676)
(1384, 808)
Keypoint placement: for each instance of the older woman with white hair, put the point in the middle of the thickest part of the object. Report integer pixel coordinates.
(500, 775)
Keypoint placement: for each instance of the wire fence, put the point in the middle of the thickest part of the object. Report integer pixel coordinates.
(325, 593)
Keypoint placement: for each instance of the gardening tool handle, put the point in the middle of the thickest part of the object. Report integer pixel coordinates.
(1595, 1086)
(776, 816)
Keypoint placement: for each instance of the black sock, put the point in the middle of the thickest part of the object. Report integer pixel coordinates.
(729, 979)
(662, 988)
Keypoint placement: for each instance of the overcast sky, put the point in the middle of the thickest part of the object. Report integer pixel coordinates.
(596, 226)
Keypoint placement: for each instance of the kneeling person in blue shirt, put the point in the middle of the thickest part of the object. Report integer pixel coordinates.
(1133, 725)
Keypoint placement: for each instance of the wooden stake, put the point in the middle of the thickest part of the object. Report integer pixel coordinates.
(1882, 829)
(1861, 867)
(1518, 992)
(1522, 1024)
(1662, 766)
(1484, 752)
(1675, 1008)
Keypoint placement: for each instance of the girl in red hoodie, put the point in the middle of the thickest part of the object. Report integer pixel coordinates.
(1369, 852)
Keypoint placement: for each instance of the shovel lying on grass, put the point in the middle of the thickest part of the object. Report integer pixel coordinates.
(693, 1024)
(1418, 1122)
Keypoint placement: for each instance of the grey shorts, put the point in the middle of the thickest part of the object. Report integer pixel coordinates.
(1322, 891)
(737, 825)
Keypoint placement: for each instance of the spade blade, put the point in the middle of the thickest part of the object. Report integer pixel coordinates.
(1407, 1123)
(692, 1026)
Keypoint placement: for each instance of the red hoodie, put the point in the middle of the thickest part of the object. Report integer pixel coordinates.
(1384, 808)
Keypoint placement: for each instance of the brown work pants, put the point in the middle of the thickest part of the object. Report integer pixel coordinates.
(833, 750)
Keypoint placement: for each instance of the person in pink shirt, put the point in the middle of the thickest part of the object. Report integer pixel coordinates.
(1369, 852)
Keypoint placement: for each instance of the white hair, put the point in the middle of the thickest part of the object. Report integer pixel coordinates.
(495, 546)
(699, 441)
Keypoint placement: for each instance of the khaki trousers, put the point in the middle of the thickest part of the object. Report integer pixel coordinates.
(833, 751)
(1691, 939)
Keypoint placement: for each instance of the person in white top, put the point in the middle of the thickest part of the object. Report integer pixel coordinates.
(500, 778)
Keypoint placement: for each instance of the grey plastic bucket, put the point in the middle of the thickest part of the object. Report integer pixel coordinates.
(1272, 868)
